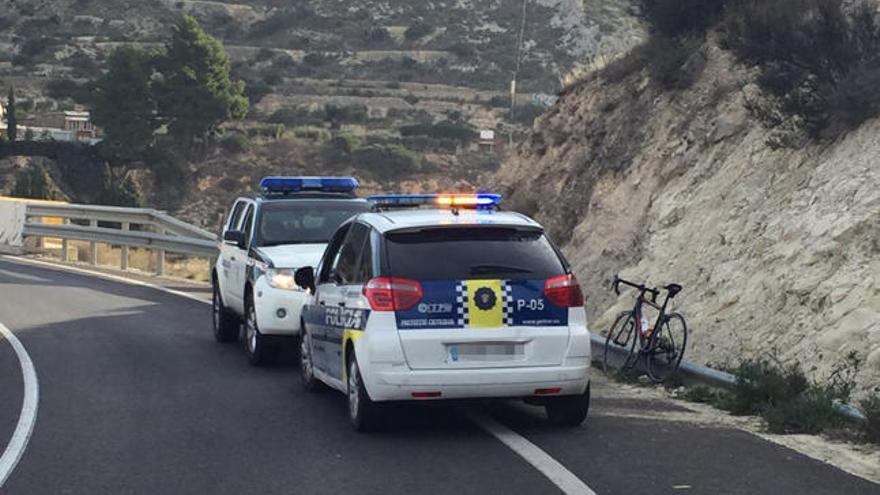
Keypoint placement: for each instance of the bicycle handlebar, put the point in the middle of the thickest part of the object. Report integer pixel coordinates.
(672, 289)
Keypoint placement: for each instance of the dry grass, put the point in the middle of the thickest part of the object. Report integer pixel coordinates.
(139, 259)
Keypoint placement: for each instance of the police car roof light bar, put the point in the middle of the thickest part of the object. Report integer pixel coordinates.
(479, 201)
(284, 185)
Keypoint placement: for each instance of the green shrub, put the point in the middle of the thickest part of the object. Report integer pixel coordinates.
(499, 102)
(871, 409)
(235, 143)
(701, 394)
(34, 182)
(427, 143)
(784, 398)
(527, 113)
(673, 18)
(819, 62)
(295, 117)
(387, 161)
(272, 131)
(417, 30)
(349, 114)
(456, 131)
(347, 141)
(318, 134)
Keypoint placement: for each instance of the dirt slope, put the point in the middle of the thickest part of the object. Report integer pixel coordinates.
(778, 250)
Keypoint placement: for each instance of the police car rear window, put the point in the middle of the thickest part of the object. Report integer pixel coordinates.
(304, 222)
(472, 253)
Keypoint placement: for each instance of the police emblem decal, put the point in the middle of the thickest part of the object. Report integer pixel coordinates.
(485, 298)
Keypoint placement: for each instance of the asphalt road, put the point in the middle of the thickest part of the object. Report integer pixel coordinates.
(136, 397)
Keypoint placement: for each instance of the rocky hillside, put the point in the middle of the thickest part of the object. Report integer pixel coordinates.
(778, 249)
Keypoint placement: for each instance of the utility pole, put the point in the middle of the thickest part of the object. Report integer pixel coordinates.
(519, 46)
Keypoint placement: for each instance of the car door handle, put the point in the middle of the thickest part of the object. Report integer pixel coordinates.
(342, 304)
(232, 258)
(322, 303)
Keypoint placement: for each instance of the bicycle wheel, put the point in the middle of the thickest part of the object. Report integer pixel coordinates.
(667, 348)
(621, 336)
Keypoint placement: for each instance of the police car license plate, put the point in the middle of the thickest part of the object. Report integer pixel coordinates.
(486, 352)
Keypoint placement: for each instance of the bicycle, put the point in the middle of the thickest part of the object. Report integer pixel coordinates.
(658, 345)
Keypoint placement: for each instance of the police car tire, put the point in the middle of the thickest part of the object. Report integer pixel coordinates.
(570, 410)
(309, 381)
(256, 346)
(225, 323)
(363, 414)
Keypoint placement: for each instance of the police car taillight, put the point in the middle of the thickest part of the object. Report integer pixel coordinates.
(564, 291)
(393, 294)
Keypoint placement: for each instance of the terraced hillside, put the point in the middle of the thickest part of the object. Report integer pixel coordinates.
(373, 73)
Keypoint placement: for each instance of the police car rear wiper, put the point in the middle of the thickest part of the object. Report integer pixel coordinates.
(484, 269)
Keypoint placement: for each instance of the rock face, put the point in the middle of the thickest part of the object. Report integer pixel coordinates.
(778, 250)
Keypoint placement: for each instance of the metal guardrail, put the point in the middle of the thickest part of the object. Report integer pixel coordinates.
(125, 227)
(717, 378)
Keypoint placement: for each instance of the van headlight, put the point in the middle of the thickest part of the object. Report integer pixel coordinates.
(281, 278)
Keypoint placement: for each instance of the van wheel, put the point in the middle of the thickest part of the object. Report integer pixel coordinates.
(224, 321)
(361, 409)
(256, 344)
(570, 410)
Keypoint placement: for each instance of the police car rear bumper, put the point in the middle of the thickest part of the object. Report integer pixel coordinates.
(401, 385)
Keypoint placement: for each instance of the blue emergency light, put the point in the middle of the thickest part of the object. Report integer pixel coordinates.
(281, 185)
(474, 201)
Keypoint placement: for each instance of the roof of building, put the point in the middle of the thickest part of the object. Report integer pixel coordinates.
(386, 221)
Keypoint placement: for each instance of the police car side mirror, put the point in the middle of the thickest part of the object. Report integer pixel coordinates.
(305, 278)
(234, 237)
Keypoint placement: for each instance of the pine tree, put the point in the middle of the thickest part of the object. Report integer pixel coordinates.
(124, 104)
(196, 93)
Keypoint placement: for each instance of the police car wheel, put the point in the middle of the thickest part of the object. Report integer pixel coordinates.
(570, 410)
(306, 366)
(225, 323)
(361, 410)
(255, 343)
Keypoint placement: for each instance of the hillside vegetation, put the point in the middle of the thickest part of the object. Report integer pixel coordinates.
(392, 91)
(742, 177)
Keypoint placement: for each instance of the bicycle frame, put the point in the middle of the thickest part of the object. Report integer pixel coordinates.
(641, 300)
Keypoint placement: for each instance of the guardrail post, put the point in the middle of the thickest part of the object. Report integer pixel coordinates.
(93, 246)
(65, 245)
(160, 258)
(123, 258)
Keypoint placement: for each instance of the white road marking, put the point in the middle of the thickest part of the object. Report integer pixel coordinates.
(107, 276)
(564, 479)
(531, 453)
(28, 416)
(21, 276)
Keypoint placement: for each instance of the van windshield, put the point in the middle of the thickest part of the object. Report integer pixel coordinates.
(304, 222)
(472, 253)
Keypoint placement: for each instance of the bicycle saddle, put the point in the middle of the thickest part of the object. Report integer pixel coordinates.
(673, 289)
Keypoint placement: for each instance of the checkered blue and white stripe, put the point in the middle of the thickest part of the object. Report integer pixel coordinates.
(507, 303)
(461, 303)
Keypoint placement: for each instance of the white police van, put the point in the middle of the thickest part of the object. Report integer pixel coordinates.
(458, 301)
(266, 237)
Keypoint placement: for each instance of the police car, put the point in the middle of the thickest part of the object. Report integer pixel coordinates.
(266, 237)
(456, 301)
